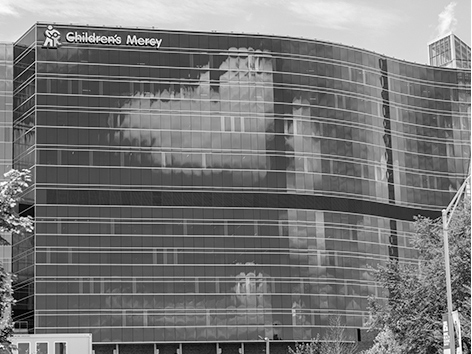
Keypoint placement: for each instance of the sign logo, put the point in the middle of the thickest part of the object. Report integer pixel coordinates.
(52, 38)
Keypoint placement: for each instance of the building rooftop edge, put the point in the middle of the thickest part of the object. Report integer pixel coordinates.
(211, 32)
(437, 38)
(447, 35)
(46, 335)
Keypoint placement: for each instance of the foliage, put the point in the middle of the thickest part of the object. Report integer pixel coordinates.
(10, 190)
(334, 342)
(385, 343)
(6, 302)
(417, 292)
(313, 347)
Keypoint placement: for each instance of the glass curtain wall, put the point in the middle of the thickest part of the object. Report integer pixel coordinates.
(24, 156)
(225, 187)
(6, 135)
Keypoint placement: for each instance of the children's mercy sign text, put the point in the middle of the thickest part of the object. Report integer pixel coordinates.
(93, 38)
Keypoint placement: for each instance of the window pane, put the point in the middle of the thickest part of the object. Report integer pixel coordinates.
(42, 348)
(23, 348)
(60, 348)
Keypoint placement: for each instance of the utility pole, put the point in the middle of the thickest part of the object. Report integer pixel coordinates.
(447, 215)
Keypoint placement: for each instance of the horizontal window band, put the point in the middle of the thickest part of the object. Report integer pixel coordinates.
(234, 200)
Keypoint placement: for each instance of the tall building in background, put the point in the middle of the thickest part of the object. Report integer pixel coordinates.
(450, 52)
(6, 128)
(197, 191)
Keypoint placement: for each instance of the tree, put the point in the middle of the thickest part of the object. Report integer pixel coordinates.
(6, 302)
(334, 342)
(416, 293)
(385, 343)
(10, 193)
(313, 347)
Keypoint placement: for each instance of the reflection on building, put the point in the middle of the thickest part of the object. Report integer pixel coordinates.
(6, 122)
(224, 188)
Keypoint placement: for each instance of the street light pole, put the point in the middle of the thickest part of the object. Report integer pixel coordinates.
(266, 339)
(446, 219)
(448, 282)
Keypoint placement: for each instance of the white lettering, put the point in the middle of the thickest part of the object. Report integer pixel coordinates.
(70, 37)
(131, 40)
(93, 38)
(143, 41)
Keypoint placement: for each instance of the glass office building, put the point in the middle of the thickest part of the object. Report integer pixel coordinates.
(193, 189)
(6, 126)
(449, 51)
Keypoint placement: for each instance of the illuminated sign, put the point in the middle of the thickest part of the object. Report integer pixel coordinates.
(53, 35)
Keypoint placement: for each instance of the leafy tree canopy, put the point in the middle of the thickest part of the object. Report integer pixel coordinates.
(416, 293)
(334, 341)
(10, 191)
(6, 302)
(385, 343)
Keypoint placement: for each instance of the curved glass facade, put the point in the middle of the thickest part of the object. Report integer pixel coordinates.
(220, 187)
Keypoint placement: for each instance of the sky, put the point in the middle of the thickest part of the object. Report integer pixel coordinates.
(399, 29)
